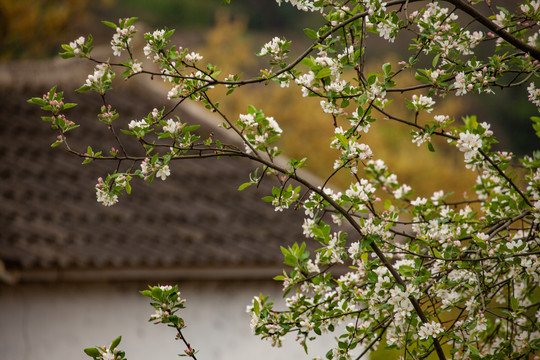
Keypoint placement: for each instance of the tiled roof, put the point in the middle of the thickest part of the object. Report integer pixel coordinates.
(50, 220)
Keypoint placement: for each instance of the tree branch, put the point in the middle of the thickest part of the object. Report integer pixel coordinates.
(478, 16)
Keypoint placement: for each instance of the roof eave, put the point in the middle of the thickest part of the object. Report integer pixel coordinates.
(143, 274)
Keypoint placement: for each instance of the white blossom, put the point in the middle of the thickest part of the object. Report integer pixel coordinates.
(136, 67)
(76, 45)
(274, 125)
(468, 142)
(107, 355)
(500, 19)
(163, 172)
(431, 329)
(460, 84)
(534, 94)
(172, 126)
(422, 102)
(386, 30)
(400, 192)
(193, 57)
(304, 5)
(142, 124)
(273, 48)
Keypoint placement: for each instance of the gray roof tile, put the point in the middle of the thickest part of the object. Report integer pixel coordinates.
(49, 218)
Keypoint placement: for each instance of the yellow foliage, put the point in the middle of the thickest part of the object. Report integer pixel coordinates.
(229, 43)
(307, 130)
(32, 28)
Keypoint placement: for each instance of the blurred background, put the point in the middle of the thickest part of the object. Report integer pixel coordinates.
(229, 36)
(31, 32)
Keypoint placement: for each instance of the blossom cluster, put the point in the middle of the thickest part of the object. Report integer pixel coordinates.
(421, 102)
(107, 352)
(259, 131)
(283, 198)
(108, 189)
(104, 195)
(100, 80)
(151, 168)
(534, 94)
(303, 5)
(352, 152)
(76, 45)
(472, 141)
(53, 102)
(430, 330)
(276, 48)
(107, 114)
(79, 47)
(156, 42)
(123, 35)
(166, 301)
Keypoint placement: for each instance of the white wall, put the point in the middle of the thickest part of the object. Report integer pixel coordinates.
(52, 321)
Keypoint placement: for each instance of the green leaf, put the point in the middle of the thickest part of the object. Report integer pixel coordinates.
(168, 34)
(387, 68)
(115, 343)
(324, 72)
(435, 60)
(83, 88)
(67, 55)
(157, 293)
(430, 147)
(364, 257)
(307, 62)
(244, 185)
(470, 122)
(146, 293)
(329, 354)
(131, 21)
(290, 260)
(37, 101)
(110, 24)
(475, 354)
(93, 352)
(366, 241)
(514, 303)
(406, 270)
(536, 125)
(190, 128)
(419, 77)
(312, 34)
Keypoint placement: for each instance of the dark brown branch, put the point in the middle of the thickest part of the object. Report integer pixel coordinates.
(478, 16)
